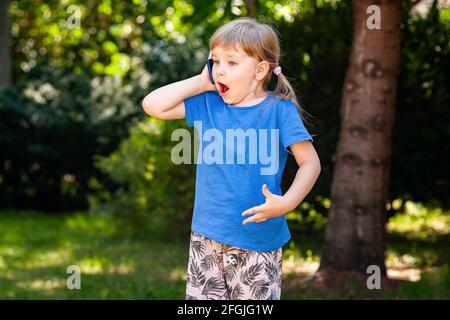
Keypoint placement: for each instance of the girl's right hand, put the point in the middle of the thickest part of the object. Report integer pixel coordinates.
(205, 80)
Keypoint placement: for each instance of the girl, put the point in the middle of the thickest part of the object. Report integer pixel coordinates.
(238, 225)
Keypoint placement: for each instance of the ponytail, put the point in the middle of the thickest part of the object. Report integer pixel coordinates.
(285, 91)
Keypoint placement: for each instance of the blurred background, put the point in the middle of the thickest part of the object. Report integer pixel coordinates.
(86, 176)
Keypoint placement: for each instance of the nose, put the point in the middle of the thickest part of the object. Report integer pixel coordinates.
(218, 69)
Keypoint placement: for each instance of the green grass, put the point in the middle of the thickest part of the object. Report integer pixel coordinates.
(417, 253)
(434, 284)
(37, 248)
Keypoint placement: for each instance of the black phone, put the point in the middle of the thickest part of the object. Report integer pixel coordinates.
(210, 64)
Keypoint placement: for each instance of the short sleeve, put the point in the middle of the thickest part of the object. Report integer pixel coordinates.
(291, 128)
(195, 108)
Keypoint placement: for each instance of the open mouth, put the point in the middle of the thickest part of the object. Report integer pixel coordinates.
(222, 88)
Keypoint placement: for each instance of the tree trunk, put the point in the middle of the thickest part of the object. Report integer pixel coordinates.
(5, 48)
(249, 4)
(355, 235)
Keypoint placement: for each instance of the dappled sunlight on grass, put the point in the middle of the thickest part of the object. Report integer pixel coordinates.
(402, 266)
(36, 249)
(55, 257)
(11, 251)
(34, 260)
(299, 266)
(417, 247)
(97, 265)
(398, 260)
(299, 260)
(420, 222)
(409, 274)
(91, 266)
(91, 224)
(418, 240)
(434, 283)
(44, 285)
(178, 274)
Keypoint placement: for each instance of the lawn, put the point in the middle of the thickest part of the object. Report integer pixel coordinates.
(36, 250)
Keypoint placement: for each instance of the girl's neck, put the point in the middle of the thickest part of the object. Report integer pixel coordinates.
(253, 98)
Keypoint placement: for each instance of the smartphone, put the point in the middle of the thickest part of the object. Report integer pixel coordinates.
(210, 64)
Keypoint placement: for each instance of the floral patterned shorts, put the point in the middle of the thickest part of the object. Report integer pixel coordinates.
(217, 271)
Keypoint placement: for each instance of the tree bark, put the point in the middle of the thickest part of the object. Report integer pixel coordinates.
(355, 235)
(250, 5)
(5, 48)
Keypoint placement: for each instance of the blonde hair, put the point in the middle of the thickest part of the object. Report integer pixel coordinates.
(260, 41)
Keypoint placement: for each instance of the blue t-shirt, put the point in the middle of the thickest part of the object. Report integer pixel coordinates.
(240, 149)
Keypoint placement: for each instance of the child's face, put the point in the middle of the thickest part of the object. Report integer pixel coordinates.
(236, 75)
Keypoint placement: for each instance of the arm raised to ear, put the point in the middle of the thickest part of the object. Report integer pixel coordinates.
(166, 102)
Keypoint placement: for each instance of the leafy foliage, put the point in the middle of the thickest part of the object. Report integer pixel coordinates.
(73, 100)
(155, 195)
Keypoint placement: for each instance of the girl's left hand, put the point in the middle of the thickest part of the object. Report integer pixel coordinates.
(274, 206)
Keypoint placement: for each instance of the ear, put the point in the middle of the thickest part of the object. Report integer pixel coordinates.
(261, 70)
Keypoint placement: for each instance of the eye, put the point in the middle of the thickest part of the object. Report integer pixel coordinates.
(215, 61)
(232, 63)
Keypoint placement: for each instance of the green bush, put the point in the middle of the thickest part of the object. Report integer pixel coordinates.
(155, 195)
(52, 125)
(55, 122)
